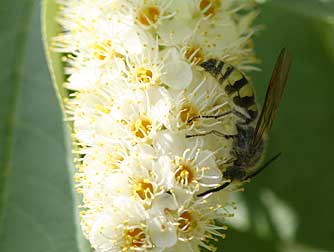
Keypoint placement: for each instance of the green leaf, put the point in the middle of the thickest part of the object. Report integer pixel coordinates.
(50, 29)
(301, 181)
(37, 203)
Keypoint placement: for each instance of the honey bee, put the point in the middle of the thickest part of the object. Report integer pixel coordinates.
(248, 143)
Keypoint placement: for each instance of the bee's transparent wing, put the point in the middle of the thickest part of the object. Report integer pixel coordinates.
(274, 94)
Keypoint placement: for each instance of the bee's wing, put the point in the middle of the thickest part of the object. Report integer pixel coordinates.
(274, 94)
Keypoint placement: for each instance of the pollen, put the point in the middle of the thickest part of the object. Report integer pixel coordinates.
(209, 7)
(149, 15)
(144, 75)
(99, 52)
(102, 109)
(185, 221)
(195, 55)
(102, 50)
(144, 189)
(142, 127)
(113, 161)
(134, 239)
(188, 112)
(184, 175)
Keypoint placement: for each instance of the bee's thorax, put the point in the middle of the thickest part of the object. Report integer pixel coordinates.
(247, 155)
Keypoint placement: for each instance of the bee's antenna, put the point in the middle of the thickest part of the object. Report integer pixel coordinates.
(264, 166)
(221, 187)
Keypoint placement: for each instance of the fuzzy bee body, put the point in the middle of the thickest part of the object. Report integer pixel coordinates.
(247, 156)
(248, 144)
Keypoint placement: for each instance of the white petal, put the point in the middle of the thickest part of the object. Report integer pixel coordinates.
(163, 202)
(172, 32)
(170, 143)
(183, 247)
(177, 72)
(162, 233)
(212, 177)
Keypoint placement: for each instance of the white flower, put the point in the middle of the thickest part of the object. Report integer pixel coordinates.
(137, 116)
(144, 70)
(150, 13)
(121, 228)
(89, 111)
(192, 167)
(97, 164)
(162, 226)
(148, 122)
(140, 177)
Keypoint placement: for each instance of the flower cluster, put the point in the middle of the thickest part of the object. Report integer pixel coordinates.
(140, 106)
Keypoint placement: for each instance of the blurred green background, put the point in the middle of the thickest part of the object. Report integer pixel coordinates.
(289, 208)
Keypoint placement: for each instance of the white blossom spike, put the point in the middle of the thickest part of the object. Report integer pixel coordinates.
(140, 104)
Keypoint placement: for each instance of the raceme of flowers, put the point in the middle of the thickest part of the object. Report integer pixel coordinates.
(137, 99)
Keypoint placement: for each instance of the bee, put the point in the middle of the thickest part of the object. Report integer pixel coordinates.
(248, 143)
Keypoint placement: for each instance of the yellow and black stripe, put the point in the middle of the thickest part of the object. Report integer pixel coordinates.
(235, 85)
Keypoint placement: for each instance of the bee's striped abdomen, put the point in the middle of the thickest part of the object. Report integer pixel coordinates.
(235, 85)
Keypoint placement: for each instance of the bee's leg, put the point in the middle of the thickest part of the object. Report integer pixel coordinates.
(229, 161)
(212, 116)
(216, 189)
(241, 116)
(235, 112)
(215, 132)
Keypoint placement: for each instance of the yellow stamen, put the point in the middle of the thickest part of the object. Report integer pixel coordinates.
(113, 161)
(185, 221)
(187, 113)
(195, 55)
(184, 175)
(144, 189)
(149, 15)
(144, 75)
(142, 127)
(135, 238)
(210, 7)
